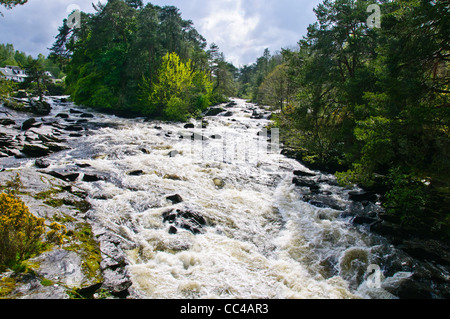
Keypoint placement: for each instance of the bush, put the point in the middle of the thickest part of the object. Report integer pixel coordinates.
(20, 231)
(176, 110)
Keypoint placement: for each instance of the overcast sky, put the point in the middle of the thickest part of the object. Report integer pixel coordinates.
(241, 28)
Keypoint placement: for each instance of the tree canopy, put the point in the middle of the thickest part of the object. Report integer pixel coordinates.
(118, 58)
(371, 104)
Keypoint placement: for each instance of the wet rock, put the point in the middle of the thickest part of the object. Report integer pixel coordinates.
(175, 199)
(68, 177)
(117, 281)
(62, 115)
(172, 177)
(83, 165)
(219, 183)
(198, 137)
(189, 220)
(216, 137)
(7, 122)
(55, 147)
(314, 186)
(87, 115)
(28, 124)
(360, 196)
(41, 163)
(390, 230)
(74, 128)
(430, 250)
(92, 178)
(405, 286)
(190, 125)
(173, 230)
(363, 220)
(173, 153)
(304, 174)
(74, 111)
(214, 111)
(62, 266)
(40, 107)
(323, 201)
(228, 114)
(257, 115)
(32, 150)
(136, 173)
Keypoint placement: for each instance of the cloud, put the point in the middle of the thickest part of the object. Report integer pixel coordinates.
(241, 28)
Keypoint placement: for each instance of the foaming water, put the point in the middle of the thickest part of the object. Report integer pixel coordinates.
(260, 238)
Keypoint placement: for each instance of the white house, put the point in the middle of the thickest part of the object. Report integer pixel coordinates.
(13, 73)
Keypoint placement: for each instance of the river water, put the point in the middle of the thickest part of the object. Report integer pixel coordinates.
(255, 235)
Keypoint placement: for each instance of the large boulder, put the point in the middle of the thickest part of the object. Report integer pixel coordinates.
(189, 220)
(34, 150)
(40, 107)
(214, 111)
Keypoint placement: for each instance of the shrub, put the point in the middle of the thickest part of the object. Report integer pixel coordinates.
(20, 231)
(176, 110)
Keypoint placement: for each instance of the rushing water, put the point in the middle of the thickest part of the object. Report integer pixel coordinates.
(260, 239)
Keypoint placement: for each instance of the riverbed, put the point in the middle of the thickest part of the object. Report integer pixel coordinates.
(213, 210)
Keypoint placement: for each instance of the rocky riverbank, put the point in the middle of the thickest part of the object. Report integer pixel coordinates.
(91, 263)
(426, 260)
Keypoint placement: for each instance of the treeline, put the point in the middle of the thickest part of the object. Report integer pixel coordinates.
(12, 57)
(141, 60)
(371, 104)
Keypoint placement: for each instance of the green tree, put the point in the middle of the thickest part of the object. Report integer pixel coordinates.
(176, 86)
(9, 4)
(376, 101)
(276, 90)
(118, 50)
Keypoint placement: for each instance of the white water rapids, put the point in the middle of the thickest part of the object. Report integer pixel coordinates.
(261, 239)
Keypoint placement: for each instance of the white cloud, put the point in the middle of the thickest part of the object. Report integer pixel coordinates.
(241, 28)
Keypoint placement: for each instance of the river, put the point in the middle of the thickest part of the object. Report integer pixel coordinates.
(221, 217)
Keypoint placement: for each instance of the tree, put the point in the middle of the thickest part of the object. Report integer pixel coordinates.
(37, 76)
(177, 84)
(118, 50)
(12, 3)
(276, 89)
(373, 104)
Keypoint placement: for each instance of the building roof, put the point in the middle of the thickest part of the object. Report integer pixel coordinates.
(7, 72)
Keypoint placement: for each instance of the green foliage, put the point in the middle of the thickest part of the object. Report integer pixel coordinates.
(176, 85)
(6, 89)
(11, 3)
(12, 57)
(176, 110)
(375, 102)
(20, 231)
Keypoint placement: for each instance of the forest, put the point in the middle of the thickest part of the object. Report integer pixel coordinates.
(129, 58)
(369, 104)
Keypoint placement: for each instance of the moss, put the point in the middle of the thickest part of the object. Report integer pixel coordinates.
(89, 249)
(46, 282)
(7, 286)
(55, 203)
(48, 194)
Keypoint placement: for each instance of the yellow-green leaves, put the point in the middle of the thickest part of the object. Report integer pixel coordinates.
(21, 232)
(178, 90)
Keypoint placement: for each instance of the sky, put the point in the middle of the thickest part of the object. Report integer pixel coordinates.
(241, 28)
